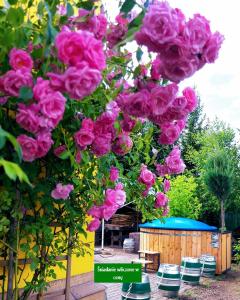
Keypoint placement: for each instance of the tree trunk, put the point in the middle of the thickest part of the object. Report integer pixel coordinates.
(223, 227)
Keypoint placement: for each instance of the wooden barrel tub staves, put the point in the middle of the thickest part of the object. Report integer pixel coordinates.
(169, 280)
(139, 290)
(190, 270)
(208, 265)
(129, 245)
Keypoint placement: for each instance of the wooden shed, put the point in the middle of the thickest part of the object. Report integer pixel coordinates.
(175, 238)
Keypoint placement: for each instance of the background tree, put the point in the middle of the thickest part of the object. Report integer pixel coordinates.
(219, 179)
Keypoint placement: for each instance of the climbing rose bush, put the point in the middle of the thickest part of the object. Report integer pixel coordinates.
(97, 126)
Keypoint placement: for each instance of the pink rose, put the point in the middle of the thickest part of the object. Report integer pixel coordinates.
(93, 225)
(162, 170)
(95, 211)
(116, 33)
(57, 81)
(104, 124)
(180, 70)
(29, 147)
(192, 100)
(3, 100)
(41, 89)
(161, 24)
(52, 106)
(59, 150)
(87, 124)
(101, 144)
(127, 123)
(136, 104)
(44, 141)
(161, 200)
(120, 197)
(162, 97)
(212, 47)
(81, 81)
(14, 80)
(78, 157)
(84, 137)
(62, 191)
(198, 32)
(166, 185)
(109, 211)
(110, 197)
(122, 145)
(95, 24)
(155, 75)
(77, 47)
(178, 104)
(19, 59)
(113, 109)
(114, 173)
(170, 132)
(146, 176)
(174, 162)
(61, 10)
(27, 117)
(165, 211)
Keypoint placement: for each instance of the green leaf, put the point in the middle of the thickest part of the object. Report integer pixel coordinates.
(12, 2)
(70, 10)
(88, 5)
(64, 155)
(137, 21)
(15, 16)
(13, 140)
(127, 6)
(2, 141)
(25, 93)
(139, 54)
(13, 171)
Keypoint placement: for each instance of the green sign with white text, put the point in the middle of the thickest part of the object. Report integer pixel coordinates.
(117, 273)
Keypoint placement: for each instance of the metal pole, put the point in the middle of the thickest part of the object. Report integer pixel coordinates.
(102, 234)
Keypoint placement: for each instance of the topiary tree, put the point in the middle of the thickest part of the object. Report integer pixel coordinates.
(219, 179)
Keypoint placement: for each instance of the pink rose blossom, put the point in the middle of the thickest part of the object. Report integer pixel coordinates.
(95, 211)
(78, 157)
(3, 100)
(81, 81)
(95, 24)
(104, 124)
(174, 162)
(117, 32)
(166, 185)
(170, 132)
(52, 106)
(162, 170)
(77, 47)
(87, 124)
(212, 47)
(59, 150)
(122, 145)
(198, 32)
(192, 100)
(113, 109)
(165, 211)
(114, 173)
(101, 144)
(162, 97)
(19, 59)
(127, 123)
(27, 117)
(161, 200)
(62, 191)
(44, 142)
(84, 138)
(57, 81)
(29, 147)
(109, 211)
(161, 24)
(13, 80)
(146, 177)
(120, 197)
(93, 225)
(155, 75)
(41, 89)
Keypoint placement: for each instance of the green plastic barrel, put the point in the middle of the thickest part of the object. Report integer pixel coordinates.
(169, 280)
(190, 270)
(139, 290)
(208, 265)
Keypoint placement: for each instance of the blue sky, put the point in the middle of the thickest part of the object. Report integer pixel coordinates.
(218, 84)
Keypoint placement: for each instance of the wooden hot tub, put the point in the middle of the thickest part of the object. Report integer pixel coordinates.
(179, 237)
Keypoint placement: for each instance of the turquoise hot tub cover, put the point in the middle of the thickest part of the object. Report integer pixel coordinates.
(175, 223)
